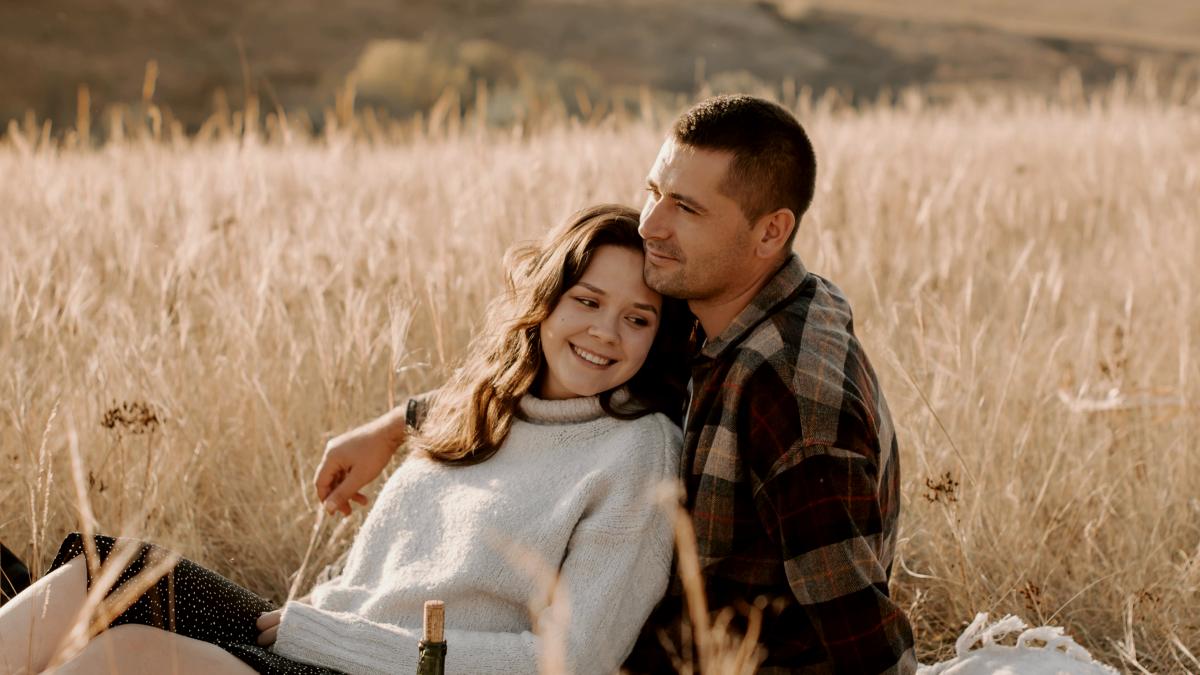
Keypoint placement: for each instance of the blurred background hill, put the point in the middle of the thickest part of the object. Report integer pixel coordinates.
(404, 55)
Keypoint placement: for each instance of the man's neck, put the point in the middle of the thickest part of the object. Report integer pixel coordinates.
(715, 314)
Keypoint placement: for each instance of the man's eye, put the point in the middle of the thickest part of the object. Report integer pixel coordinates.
(687, 209)
(652, 190)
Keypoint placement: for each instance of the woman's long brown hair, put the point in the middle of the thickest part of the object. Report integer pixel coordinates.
(470, 416)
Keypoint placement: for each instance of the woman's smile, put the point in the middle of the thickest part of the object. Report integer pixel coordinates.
(591, 358)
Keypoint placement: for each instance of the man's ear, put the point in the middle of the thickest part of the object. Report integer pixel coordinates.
(775, 229)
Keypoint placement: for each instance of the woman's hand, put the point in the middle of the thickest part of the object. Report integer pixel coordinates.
(356, 458)
(268, 627)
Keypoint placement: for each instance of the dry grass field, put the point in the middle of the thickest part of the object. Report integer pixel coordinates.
(190, 320)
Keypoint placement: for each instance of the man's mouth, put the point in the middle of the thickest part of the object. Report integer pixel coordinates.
(592, 357)
(655, 256)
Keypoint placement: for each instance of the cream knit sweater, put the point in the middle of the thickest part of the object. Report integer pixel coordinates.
(568, 493)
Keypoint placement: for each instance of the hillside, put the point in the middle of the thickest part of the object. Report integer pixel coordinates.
(1153, 23)
(407, 54)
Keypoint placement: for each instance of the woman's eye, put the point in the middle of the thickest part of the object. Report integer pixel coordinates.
(587, 302)
(638, 321)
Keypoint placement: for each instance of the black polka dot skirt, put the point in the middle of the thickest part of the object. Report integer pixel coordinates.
(192, 601)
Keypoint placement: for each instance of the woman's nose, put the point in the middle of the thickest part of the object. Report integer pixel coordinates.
(603, 330)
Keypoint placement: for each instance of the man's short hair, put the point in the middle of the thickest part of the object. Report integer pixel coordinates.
(773, 163)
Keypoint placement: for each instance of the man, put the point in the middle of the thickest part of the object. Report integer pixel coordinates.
(790, 461)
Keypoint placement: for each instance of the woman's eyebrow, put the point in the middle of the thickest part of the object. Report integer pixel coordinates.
(639, 305)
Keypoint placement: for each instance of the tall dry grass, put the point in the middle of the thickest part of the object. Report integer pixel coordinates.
(201, 315)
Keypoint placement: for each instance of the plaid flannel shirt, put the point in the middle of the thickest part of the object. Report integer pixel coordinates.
(791, 472)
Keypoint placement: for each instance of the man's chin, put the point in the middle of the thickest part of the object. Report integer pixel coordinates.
(669, 285)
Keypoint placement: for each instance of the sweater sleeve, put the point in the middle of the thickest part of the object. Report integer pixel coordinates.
(349, 643)
(615, 570)
(617, 565)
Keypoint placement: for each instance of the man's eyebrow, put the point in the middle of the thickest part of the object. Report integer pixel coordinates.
(639, 305)
(694, 204)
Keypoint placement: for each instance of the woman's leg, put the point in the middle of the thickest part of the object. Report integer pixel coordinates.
(133, 649)
(34, 623)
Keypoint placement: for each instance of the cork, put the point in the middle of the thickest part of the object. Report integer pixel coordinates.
(435, 621)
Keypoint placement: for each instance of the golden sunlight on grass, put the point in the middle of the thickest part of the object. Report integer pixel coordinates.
(202, 315)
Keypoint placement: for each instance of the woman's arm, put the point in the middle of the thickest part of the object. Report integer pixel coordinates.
(615, 570)
(610, 580)
(352, 644)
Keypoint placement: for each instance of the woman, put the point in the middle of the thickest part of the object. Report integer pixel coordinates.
(538, 458)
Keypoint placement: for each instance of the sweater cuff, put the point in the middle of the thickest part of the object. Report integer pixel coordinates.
(344, 641)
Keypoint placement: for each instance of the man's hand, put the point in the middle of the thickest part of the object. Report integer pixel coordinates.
(354, 459)
(268, 627)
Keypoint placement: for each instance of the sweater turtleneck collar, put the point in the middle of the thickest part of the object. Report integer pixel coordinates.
(568, 410)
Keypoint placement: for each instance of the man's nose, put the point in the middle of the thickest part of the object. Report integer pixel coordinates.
(648, 225)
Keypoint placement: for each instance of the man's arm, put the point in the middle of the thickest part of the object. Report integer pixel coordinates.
(823, 513)
(821, 504)
(355, 458)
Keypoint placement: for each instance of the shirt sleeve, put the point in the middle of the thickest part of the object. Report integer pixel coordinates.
(819, 501)
(823, 513)
(417, 408)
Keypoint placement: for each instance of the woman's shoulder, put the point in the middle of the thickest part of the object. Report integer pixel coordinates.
(649, 441)
(636, 464)
(648, 428)
(661, 426)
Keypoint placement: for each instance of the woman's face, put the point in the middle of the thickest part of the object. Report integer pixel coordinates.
(600, 332)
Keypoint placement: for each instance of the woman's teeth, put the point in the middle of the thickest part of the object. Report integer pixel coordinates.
(590, 357)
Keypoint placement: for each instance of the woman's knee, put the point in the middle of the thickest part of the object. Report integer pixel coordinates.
(115, 649)
(42, 616)
(134, 648)
(132, 638)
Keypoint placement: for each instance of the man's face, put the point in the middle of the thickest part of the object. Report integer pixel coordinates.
(698, 242)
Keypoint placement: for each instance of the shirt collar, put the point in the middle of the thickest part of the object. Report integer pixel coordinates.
(778, 289)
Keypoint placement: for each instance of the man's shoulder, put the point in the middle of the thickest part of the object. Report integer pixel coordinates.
(809, 334)
(804, 366)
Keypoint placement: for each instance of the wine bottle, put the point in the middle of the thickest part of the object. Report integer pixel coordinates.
(431, 659)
